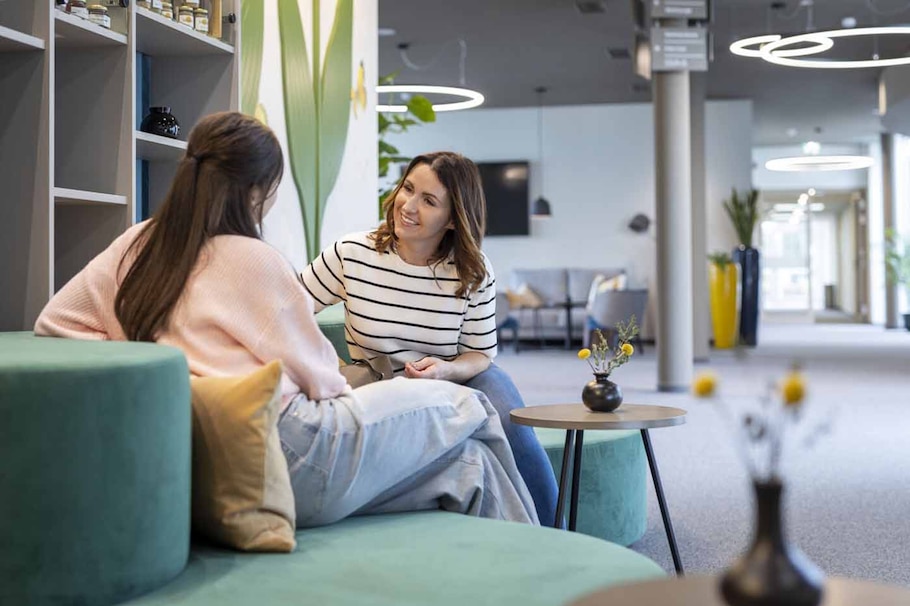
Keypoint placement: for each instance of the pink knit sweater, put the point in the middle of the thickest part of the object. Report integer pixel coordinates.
(242, 307)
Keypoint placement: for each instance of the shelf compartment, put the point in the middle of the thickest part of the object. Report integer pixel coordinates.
(160, 37)
(77, 197)
(156, 148)
(76, 32)
(14, 41)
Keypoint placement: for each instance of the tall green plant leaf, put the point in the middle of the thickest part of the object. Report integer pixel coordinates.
(335, 100)
(252, 21)
(300, 117)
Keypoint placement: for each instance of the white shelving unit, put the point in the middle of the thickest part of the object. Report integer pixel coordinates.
(155, 148)
(72, 160)
(11, 41)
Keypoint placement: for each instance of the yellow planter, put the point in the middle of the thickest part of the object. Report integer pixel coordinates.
(724, 287)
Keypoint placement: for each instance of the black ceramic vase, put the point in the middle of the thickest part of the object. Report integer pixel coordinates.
(161, 122)
(602, 394)
(748, 260)
(771, 573)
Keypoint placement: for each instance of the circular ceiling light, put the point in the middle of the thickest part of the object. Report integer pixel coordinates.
(818, 163)
(741, 47)
(472, 97)
(772, 51)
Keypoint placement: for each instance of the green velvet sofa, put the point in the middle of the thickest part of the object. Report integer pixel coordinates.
(95, 485)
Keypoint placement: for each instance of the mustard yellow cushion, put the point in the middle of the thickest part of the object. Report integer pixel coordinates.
(242, 494)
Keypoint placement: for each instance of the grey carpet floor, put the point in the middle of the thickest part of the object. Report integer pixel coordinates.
(847, 498)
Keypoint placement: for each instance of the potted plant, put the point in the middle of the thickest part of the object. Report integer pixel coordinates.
(723, 280)
(419, 109)
(743, 213)
(897, 260)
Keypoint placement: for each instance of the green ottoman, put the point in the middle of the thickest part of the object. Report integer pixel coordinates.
(410, 559)
(95, 487)
(612, 495)
(331, 322)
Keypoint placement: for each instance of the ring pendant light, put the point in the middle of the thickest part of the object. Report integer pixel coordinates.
(472, 97)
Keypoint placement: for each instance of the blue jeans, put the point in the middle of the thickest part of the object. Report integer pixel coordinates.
(401, 445)
(531, 458)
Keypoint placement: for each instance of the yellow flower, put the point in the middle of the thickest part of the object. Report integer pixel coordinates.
(627, 349)
(584, 354)
(704, 385)
(793, 389)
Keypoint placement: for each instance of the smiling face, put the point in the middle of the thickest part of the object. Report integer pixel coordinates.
(422, 214)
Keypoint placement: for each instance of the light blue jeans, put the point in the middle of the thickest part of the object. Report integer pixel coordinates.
(530, 456)
(401, 445)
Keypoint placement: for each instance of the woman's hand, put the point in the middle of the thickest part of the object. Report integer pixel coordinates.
(429, 368)
(461, 369)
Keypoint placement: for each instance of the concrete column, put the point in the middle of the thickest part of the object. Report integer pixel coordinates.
(888, 187)
(673, 172)
(701, 301)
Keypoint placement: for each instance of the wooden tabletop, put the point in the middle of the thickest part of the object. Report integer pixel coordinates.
(704, 591)
(578, 416)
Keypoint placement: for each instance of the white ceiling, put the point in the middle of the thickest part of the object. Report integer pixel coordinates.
(514, 46)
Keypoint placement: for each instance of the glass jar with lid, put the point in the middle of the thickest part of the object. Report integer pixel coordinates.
(98, 14)
(78, 8)
(185, 16)
(202, 20)
(167, 10)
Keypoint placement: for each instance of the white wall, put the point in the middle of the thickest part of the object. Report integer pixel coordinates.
(598, 172)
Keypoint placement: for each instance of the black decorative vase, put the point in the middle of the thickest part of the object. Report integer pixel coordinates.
(771, 573)
(749, 263)
(602, 394)
(161, 122)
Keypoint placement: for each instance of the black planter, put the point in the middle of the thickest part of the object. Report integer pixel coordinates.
(750, 273)
(771, 573)
(161, 122)
(601, 394)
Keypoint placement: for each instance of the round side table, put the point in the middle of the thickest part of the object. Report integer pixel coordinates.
(576, 418)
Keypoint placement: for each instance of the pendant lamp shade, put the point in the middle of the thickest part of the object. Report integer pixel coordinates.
(541, 206)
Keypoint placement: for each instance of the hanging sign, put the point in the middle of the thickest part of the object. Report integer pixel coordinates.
(679, 9)
(676, 49)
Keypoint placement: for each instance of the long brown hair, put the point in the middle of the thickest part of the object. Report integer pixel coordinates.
(461, 179)
(230, 159)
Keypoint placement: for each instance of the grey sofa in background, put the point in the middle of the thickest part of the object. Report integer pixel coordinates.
(563, 293)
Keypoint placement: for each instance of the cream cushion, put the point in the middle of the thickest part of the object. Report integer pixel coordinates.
(601, 283)
(523, 296)
(242, 494)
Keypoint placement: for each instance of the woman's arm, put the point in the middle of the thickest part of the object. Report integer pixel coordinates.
(463, 368)
(323, 278)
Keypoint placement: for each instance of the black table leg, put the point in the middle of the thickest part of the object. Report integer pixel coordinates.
(566, 453)
(576, 474)
(661, 501)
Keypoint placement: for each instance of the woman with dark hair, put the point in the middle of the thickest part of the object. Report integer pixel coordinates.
(196, 276)
(419, 292)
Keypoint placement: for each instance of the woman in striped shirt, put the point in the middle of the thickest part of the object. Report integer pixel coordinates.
(420, 291)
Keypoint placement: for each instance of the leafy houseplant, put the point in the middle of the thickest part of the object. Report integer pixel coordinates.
(601, 394)
(743, 213)
(897, 260)
(419, 110)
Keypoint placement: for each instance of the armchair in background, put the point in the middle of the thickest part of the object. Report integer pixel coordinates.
(607, 307)
(505, 320)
